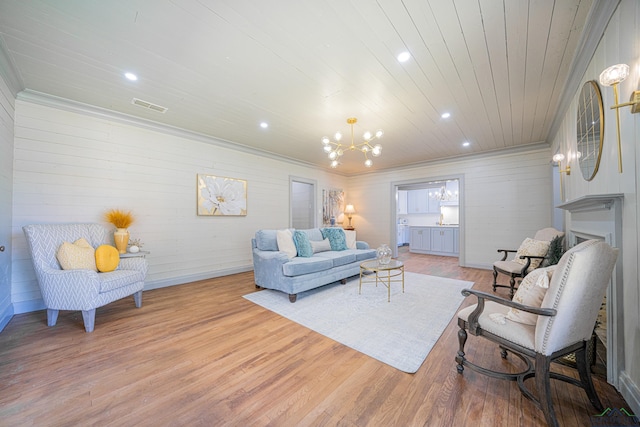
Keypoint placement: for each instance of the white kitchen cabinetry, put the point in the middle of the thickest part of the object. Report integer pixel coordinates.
(433, 205)
(442, 240)
(434, 240)
(417, 201)
(420, 239)
(402, 202)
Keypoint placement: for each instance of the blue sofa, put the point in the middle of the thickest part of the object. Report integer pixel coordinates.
(274, 269)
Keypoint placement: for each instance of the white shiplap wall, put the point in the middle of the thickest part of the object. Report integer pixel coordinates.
(72, 167)
(620, 44)
(7, 114)
(504, 198)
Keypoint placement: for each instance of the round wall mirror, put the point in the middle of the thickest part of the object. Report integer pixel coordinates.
(590, 129)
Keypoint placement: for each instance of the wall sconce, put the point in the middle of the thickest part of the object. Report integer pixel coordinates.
(612, 76)
(349, 210)
(558, 158)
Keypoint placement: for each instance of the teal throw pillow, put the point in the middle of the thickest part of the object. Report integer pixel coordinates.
(337, 238)
(303, 246)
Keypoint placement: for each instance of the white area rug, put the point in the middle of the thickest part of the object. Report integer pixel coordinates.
(399, 333)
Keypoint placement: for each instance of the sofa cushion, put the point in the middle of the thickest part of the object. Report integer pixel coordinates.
(266, 240)
(351, 238)
(314, 234)
(303, 246)
(285, 242)
(336, 237)
(107, 258)
(301, 265)
(338, 258)
(78, 255)
(321, 246)
(363, 254)
(118, 279)
(534, 248)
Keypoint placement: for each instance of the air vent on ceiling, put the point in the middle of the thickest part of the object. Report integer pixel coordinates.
(149, 105)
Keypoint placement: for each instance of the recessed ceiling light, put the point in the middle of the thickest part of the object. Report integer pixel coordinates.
(466, 144)
(404, 56)
(131, 76)
(264, 125)
(445, 115)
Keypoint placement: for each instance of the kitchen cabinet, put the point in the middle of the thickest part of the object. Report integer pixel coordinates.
(403, 235)
(442, 240)
(420, 239)
(433, 205)
(417, 201)
(434, 240)
(402, 202)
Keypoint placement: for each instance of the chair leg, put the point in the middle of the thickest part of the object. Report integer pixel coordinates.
(52, 316)
(512, 284)
(89, 317)
(495, 279)
(462, 340)
(543, 385)
(584, 371)
(137, 297)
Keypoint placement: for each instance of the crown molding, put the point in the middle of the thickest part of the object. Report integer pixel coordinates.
(47, 100)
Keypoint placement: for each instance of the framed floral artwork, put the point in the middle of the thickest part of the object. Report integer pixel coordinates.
(221, 196)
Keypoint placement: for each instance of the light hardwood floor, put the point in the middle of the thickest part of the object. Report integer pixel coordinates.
(200, 354)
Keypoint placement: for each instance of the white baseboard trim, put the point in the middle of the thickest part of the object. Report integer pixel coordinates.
(630, 391)
(35, 305)
(28, 306)
(163, 283)
(5, 316)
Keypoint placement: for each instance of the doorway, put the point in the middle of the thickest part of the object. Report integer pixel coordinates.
(426, 203)
(302, 194)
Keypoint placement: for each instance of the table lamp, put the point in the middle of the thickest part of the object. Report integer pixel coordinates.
(349, 210)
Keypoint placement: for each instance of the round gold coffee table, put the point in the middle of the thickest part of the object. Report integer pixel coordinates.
(384, 273)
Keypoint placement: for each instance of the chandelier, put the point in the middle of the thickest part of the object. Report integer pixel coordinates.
(336, 149)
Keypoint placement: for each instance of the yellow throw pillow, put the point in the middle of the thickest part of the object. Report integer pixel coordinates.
(78, 255)
(107, 258)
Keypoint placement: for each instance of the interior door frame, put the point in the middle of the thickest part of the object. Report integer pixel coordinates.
(395, 185)
(314, 198)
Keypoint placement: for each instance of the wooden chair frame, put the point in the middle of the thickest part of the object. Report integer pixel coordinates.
(537, 365)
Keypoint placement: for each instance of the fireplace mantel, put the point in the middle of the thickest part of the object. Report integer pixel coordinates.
(594, 202)
(599, 216)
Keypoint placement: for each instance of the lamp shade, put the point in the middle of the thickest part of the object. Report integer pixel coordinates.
(614, 74)
(349, 209)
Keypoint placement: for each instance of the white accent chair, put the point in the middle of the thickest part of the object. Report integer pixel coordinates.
(83, 290)
(515, 269)
(565, 323)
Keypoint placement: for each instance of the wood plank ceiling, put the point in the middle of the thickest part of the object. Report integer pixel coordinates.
(223, 66)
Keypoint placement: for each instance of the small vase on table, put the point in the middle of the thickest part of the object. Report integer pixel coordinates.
(121, 239)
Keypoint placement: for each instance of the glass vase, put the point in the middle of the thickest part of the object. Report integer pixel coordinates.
(383, 254)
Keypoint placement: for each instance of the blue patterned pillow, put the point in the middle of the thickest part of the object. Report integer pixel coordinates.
(336, 237)
(303, 246)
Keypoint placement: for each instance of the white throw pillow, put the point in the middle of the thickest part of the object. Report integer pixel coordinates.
(531, 292)
(284, 238)
(534, 248)
(320, 246)
(351, 238)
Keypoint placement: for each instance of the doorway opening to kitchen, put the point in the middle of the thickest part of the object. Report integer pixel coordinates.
(428, 216)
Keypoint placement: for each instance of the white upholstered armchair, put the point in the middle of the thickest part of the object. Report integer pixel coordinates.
(527, 258)
(83, 290)
(563, 325)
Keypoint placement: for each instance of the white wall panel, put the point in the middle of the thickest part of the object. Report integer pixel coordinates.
(620, 44)
(504, 198)
(72, 167)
